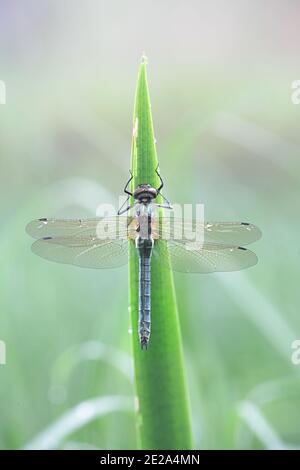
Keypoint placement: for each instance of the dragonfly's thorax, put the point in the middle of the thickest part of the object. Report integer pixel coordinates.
(144, 213)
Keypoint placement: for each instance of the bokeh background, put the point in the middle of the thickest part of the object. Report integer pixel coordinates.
(220, 76)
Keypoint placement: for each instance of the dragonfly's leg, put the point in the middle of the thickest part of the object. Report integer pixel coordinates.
(122, 209)
(128, 183)
(165, 206)
(160, 179)
(168, 206)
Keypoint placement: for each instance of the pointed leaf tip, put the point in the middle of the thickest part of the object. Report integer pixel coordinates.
(144, 59)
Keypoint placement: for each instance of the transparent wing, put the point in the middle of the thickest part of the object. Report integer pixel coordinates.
(231, 233)
(87, 252)
(113, 227)
(211, 257)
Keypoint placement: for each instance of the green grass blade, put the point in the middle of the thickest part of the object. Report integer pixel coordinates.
(163, 408)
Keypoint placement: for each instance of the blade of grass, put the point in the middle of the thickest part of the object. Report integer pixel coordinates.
(163, 416)
(76, 418)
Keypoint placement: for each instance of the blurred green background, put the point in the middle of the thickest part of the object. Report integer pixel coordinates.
(220, 76)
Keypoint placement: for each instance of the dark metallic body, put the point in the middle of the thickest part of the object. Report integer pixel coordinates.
(143, 196)
(144, 247)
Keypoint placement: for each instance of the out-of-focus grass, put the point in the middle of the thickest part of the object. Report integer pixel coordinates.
(230, 326)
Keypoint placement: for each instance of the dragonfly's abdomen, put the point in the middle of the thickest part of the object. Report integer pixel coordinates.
(144, 247)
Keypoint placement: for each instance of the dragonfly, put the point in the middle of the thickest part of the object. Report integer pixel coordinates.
(103, 242)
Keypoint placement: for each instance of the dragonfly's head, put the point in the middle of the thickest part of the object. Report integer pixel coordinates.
(144, 193)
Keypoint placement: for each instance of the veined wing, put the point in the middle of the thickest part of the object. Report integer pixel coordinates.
(105, 227)
(91, 243)
(210, 257)
(231, 233)
(87, 252)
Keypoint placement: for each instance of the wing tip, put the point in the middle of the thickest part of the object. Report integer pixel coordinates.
(28, 228)
(31, 227)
